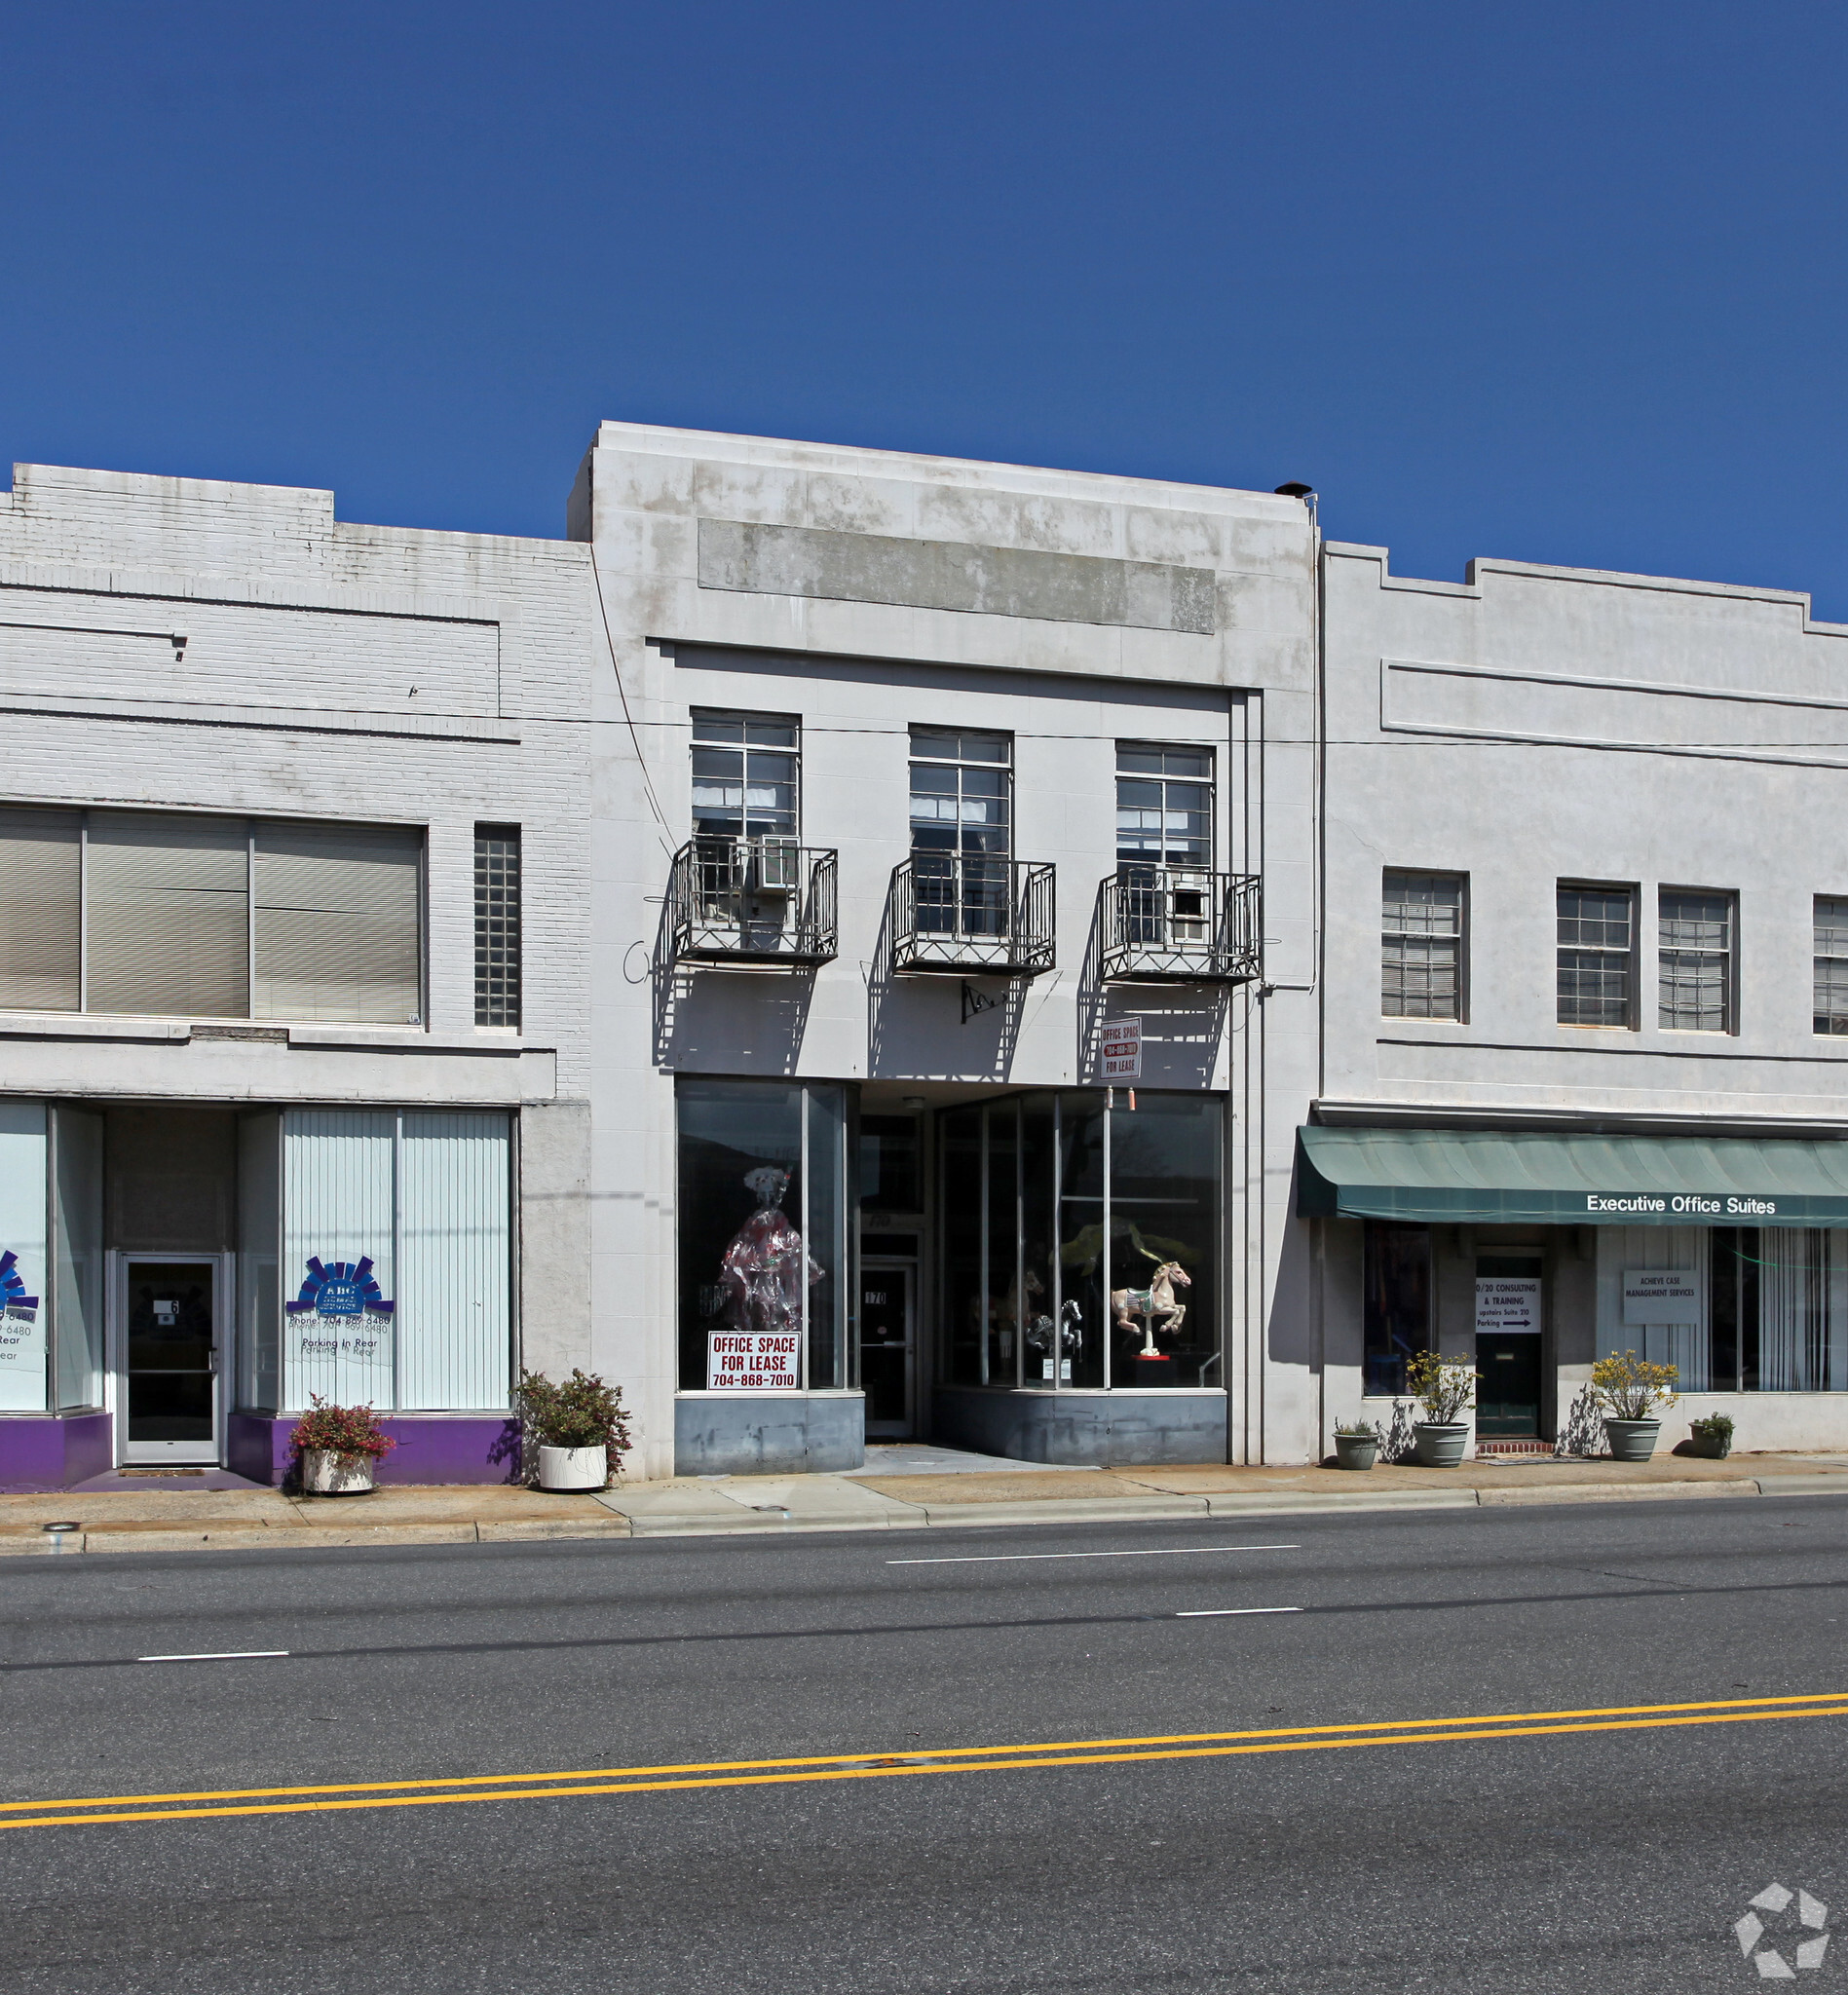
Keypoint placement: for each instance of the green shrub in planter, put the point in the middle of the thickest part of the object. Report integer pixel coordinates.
(1356, 1445)
(1710, 1438)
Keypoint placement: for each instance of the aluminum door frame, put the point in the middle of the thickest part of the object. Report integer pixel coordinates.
(887, 1430)
(181, 1454)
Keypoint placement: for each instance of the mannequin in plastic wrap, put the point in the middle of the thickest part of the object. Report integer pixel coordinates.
(761, 1273)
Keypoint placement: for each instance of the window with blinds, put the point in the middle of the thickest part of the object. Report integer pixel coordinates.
(41, 910)
(191, 916)
(168, 916)
(336, 922)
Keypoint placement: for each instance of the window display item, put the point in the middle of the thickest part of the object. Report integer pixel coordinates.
(761, 1276)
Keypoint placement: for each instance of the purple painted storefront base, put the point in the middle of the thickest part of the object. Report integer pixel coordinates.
(432, 1448)
(41, 1451)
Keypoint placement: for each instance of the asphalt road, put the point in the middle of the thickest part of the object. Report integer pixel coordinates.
(1544, 1857)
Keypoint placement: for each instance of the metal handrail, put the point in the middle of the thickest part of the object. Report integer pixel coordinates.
(762, 900)
(1167, 923)
(970, 911)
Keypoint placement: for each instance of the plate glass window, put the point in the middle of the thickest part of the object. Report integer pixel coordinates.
(1694, 961)
(1421, 944)
(1597, 954)
(1396, 1318)
(962, 830)
(1832, 964)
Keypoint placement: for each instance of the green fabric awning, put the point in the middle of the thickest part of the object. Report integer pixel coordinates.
(1498, 1178)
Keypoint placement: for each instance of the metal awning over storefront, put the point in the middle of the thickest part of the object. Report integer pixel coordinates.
(1527, 1178)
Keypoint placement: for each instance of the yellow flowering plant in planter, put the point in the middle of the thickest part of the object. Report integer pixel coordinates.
(1630, 1391)
(1444, 1388)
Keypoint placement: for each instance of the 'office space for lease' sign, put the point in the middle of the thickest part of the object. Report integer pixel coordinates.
(760, 1358)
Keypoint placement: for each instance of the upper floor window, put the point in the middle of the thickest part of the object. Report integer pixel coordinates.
(1694, 960)
(1421, 945)
(1832, 963)
(962, 830)
(1597, 954)
(747, 775)
(177, 915)
(1164, 805)
(496, 925)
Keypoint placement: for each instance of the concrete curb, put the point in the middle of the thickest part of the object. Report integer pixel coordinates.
(916, 1517)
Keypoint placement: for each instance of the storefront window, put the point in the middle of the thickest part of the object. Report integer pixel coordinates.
(1082, 1242)
(1397, 1313)
(764, 1276)
(77, 1256)
(23, 1311)
(396, 1260)
(1778, 1310)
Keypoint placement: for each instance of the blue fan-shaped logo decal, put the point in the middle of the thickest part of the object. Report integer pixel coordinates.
(12, 1297)
(342, 1288)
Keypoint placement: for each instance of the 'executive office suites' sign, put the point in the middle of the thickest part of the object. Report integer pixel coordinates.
(1690, 1204)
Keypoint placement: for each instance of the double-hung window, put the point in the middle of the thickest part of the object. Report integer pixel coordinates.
(1832, 964)
(962, 830)
(1421, 945)
(1694, 946)
(1597, 944)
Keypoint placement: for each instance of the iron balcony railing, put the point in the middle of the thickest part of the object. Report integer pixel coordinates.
(1181, 923)
(970, 911)
(760, 900)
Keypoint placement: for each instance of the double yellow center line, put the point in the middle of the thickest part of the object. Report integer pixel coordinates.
(769, 1773)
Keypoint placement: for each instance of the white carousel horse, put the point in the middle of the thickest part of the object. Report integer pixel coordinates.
(1156, 1306)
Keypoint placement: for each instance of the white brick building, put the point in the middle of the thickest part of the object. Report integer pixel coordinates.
(268, 776)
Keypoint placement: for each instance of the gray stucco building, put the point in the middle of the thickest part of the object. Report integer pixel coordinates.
(1585, 995)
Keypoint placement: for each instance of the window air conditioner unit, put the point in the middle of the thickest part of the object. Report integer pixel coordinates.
(778, 865)
(1190, 904)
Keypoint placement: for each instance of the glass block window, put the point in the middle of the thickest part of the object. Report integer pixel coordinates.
(496, 925)
(1832, 963)
(1694, 961)
(1421, 945)
(1597, 954)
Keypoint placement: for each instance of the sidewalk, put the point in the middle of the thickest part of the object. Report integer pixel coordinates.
(914, 1489)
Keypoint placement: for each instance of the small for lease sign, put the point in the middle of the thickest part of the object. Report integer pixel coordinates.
(760, 1360)
(1121, 1049)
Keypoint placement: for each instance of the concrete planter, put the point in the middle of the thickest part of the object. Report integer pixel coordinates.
(327, 1474)
(573, 1468)
(1356, 1451)
(1632, 1439)
(1705, 1447)
(1441, 1445)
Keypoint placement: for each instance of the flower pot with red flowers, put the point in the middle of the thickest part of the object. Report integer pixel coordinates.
(338, 1449)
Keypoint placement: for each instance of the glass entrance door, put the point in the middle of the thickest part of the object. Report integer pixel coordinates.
(170, 1351)
(887, 1370)
(1509, 1340)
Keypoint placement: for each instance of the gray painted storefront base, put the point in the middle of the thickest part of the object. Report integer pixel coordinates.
(1084, 1428)
(768, 1434)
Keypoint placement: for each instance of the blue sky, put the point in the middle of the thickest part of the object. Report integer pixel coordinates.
(1562, 281)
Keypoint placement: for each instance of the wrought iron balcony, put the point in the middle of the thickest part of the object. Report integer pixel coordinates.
(968, 911)
(753, 900)
(1181, 924)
